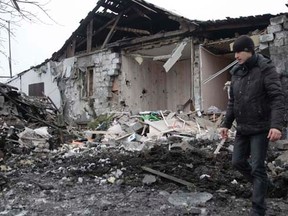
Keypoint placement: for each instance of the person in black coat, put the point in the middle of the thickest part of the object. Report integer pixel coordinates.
(256, 102)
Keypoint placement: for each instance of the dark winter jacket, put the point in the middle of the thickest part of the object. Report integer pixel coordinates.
(256, 97)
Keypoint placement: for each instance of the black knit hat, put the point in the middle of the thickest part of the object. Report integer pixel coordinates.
(243, 43)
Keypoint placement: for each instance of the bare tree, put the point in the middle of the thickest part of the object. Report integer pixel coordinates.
(14, 11)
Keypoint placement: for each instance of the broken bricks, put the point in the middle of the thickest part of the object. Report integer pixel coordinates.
(19, 111)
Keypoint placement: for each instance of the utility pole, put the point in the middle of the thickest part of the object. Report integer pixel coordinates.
(9, 58)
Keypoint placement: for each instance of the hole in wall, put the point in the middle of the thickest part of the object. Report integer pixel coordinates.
(128, 83)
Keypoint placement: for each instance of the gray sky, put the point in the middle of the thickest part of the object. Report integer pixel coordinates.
(35, 42)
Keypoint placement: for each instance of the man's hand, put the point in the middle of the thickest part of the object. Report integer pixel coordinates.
(224, 133)
(274, 134)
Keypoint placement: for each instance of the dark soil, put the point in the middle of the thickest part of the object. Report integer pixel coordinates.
(78, 182)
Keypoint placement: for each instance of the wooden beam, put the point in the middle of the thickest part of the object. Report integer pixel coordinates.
(111, 7)
(219, 146)
(70, 51)
(139, 31)
(192, 86)
(146, 39)
(112, 30)
(89, 35)
(103, 27)
(140, 13)
(244, 24)
(98, 30)
(175, 56)
(148, 8)
(172, 178)
(90, 16)
(163, 57)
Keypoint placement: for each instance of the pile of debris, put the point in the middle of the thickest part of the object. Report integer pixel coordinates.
(19, 113)
(150, 126)
(28, 110)
(179, 154)
(109, 172)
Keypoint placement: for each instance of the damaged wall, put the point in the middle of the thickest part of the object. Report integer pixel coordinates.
(86, 91)
(197, 79)
(93, 82)
(143, 87)
(44, 74)
(80, 86)
(179, 85)
(213, 93)
(147, 86)
(276, 40)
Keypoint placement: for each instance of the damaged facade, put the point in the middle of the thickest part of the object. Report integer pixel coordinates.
(134, 56)
(129, 56)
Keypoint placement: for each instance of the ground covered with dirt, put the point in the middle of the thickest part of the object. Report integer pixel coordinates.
(97, 179)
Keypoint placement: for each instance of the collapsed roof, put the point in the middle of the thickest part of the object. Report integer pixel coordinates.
(115, 20)
(121, 23)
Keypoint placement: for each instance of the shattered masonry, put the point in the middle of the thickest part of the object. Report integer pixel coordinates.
(124, 118)
(112, 63)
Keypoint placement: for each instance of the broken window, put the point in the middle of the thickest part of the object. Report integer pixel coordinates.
(36, 89)
(86, 79)
(83, 84)
(90, 74)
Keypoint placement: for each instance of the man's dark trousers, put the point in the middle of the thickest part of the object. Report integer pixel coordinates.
(253, 148)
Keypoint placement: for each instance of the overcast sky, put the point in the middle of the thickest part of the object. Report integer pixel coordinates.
(35, 42)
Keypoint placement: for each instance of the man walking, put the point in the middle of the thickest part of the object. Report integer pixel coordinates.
(257, 104)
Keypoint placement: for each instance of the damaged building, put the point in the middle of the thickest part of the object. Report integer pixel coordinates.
(149, 87)
(134, 56)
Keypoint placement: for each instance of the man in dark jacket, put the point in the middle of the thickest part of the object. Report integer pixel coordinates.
(257, 104)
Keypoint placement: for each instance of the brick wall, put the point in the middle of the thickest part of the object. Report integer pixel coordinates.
(276, 40)
(79, 106)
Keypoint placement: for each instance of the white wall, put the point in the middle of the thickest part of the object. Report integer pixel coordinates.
(212, 92)
(38, 75)
(149, 87)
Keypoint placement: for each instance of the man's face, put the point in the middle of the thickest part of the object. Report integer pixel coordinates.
(242, 56)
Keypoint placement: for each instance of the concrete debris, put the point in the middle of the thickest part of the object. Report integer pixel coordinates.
(18, 112)
(149, 179)
(181, 152)
(37, 138)
(23, 109)
(189, 199)
(282, 159)
(133, 146)
(281, 144)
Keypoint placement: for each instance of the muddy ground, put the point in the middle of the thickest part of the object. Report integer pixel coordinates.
(98, 180)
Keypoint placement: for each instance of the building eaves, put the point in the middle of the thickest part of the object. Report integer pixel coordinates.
(227, 28)
(166, 24)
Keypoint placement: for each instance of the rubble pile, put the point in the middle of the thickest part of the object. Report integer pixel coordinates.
(26, 109)
(148, 163)
(19, 112)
